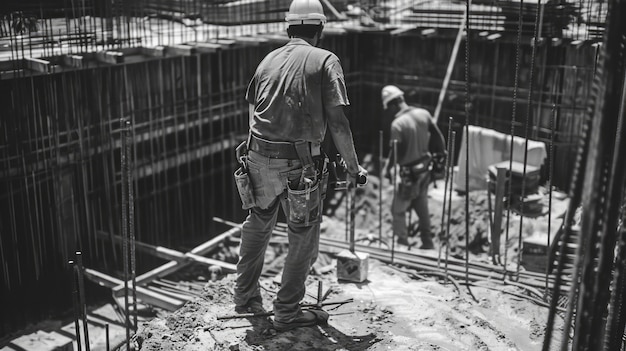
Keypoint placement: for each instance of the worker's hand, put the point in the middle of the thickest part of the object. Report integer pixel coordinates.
(358, 178)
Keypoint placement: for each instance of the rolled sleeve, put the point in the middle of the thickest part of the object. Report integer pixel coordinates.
(334, 88)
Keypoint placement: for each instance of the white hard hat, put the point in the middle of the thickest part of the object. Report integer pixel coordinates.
(389, 93)
(305, 12)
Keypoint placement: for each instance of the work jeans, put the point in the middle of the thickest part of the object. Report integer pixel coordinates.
(269, 178)
(414, 196)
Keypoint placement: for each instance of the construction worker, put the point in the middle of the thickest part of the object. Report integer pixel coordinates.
(296, 93)
(412, 130)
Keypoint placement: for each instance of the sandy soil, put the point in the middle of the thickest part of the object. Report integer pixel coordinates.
(394, 309)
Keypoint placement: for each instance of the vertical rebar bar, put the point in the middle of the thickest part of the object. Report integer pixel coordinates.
(509, 191)
(550, 178)
(447, 163)
(124, 225)
(380, 187)
(394, 150)
(76, 303)
(467, 123)
(451, 172)
(81, 293)
(131, 218)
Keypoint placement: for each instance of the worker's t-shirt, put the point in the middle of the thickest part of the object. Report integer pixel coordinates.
(289, 90)
(411, 128)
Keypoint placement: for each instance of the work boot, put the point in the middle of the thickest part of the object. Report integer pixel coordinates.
(403, 241)
(427, 243)
(254, 305)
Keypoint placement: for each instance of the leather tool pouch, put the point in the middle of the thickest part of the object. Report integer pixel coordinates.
(242, 179)
(305, 196)
(305, 205)
(410, 173)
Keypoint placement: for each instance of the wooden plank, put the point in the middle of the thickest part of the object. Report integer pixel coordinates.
(110, 57)
(250, 41)
(224, 42)
(179, 50)
(402, 30)
(207, 47)
(170, 254)
(146, 295)
(173, 266)
(74, 61)
(158, 51)
(429, 32)
(178, 296)
(37, 65)
(494, 36)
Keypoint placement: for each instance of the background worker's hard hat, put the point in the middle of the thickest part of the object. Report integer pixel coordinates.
(389, 93)
(305, 12)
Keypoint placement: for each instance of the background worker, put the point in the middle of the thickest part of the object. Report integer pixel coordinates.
(296, 93)
(412, 128)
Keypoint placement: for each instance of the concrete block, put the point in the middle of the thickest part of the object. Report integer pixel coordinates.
(352, 266)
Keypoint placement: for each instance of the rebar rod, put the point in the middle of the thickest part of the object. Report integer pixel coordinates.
(380, 186)
(467, 123)
(616, 319)
(451, 172)
(394, 151)
(518, 43)
(526, 136)
(447, 162)
(550, 177)
(131, 219)
(81, 293)
(124, 225)
(76, 303)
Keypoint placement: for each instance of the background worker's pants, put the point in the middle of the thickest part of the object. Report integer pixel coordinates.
(414, 196)
(269, 178)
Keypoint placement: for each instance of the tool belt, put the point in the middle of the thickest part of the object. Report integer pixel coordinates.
(411, 172)
(279, 149)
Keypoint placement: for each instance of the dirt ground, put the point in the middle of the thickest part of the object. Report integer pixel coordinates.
(394, 309)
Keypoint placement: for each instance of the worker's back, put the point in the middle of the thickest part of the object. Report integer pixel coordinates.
(288, 92)
(411, 128)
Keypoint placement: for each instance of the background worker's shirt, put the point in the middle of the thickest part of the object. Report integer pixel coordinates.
(290, 89)
(411, 127)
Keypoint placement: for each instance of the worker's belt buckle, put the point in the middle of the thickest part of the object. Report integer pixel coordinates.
(279, 149)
